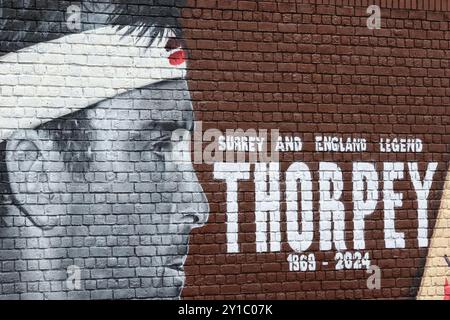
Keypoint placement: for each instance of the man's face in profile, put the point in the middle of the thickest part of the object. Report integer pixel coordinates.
(112, 191)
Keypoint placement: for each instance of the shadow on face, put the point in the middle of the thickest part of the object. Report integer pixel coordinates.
(105, 200)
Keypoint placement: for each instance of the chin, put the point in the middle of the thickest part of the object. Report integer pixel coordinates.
(173, 283)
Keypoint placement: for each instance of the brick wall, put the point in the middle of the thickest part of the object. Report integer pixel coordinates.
(98, 202)
(309, 68)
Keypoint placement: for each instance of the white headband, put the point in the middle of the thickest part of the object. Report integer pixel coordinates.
(55, 78)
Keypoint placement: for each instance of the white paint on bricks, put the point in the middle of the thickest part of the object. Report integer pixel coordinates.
(392, 200)
(83, 63)
(232, 173)
(363, 174)
(332, 211)
(299, 174)
(267, 210)
(423, 191)
(367, 184)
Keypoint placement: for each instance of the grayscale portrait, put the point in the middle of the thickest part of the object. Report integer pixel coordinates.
(98, 191)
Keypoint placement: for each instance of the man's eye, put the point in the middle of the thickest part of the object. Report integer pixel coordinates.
(161, 147)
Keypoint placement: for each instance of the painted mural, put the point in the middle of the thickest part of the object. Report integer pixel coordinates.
(99, 196)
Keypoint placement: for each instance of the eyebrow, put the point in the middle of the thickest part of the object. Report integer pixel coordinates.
(163, 126)
(171, 125)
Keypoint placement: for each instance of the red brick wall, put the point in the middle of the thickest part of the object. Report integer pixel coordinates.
(308, 68)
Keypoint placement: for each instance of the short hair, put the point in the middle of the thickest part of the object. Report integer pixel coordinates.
(27, 22)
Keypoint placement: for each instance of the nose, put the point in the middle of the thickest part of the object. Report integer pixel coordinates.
(193, 209)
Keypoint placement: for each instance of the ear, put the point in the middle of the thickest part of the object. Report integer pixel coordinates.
(27, 160)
